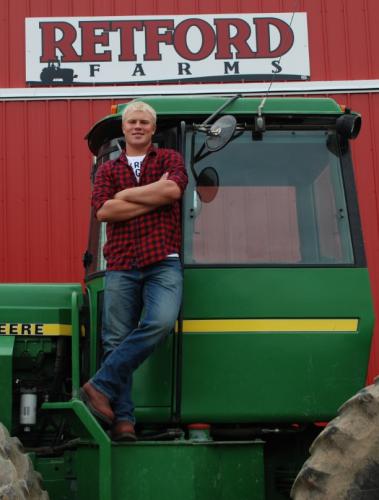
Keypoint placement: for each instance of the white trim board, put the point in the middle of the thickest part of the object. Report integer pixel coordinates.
(254, 88)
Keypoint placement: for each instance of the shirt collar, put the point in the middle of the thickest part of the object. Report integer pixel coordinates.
(152, 150)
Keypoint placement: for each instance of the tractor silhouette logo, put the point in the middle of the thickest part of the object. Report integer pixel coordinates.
(53, 72)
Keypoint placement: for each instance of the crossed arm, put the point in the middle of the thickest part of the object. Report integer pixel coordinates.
(135, 201)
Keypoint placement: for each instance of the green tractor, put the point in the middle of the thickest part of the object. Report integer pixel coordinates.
(273, 336)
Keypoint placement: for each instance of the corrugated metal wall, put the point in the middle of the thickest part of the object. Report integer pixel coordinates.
(45, 188)
(44, 162)
(366, 160)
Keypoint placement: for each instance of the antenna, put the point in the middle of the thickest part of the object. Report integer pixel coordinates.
(259, 122)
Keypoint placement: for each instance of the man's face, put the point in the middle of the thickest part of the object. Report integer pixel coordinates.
(138, 128)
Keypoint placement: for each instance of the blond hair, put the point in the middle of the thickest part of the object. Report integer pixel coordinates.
(140, 106)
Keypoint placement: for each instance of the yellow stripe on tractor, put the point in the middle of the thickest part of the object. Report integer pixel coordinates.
(270, 325)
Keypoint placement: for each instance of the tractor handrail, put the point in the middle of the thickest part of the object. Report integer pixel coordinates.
(75, 340)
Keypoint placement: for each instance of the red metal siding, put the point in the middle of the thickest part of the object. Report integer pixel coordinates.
(45, 165)
(44, 172)
(366, 159)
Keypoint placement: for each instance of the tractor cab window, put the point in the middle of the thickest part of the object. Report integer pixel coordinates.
(275, 201)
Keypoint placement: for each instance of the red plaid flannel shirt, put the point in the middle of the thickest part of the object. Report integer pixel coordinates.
(148, 238)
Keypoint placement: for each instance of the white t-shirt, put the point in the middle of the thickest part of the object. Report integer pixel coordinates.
(135, 162)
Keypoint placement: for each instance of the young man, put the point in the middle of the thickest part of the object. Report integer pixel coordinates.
(138, 195)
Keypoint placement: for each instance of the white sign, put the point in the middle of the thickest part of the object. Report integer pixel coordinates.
(164, 49)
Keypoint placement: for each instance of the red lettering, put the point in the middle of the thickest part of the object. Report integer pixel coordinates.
(90, 39)
(208, 39)
(127, 28)
(225, 41)
(153, 37)
(50, 43)
(194, 39)
(263, 37)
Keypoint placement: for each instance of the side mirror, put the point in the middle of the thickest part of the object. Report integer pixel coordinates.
(220, 133)
(207, 184)
(349, 125)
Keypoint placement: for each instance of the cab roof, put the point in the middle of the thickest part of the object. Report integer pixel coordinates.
(200, 107)
(190, 105)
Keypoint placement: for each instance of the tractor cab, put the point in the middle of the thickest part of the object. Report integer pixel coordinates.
(272, 244)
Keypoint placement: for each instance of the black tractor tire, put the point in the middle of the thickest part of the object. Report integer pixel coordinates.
(344, 461)
(18, 479)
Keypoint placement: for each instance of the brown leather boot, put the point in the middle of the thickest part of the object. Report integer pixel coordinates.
(97, 403)
(123, 431)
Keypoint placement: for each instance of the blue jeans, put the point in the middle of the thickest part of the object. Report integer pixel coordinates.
(140, 309)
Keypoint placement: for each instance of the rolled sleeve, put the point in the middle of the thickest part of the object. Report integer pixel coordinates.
(176, 170)
(103, 189)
